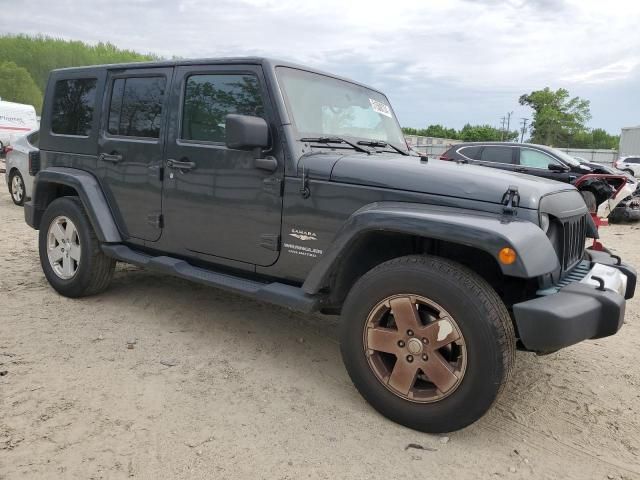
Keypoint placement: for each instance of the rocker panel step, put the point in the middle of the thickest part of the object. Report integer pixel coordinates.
(276, 293)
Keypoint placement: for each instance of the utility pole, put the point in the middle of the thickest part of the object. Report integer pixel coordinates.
(508, 123)
(524, 128)
(502, 120)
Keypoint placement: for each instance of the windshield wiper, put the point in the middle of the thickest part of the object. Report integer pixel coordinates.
(336, 140)
(381, 144)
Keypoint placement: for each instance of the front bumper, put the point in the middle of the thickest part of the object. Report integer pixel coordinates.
(577, 312)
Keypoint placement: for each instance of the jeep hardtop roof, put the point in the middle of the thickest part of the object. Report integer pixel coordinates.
(267, 63)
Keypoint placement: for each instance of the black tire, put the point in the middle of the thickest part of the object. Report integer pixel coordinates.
(590, 201)
(15, 197)
(482, 319)
(94, 270)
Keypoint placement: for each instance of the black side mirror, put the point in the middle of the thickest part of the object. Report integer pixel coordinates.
(555, 167)
(244, 132)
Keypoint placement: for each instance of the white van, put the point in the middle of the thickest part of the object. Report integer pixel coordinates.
(16, 119)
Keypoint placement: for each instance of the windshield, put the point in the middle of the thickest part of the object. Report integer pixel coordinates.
(322, 106)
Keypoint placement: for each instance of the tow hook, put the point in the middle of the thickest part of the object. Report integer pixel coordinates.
(511, 200)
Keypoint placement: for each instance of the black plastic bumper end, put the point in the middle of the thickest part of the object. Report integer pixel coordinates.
(577, 312)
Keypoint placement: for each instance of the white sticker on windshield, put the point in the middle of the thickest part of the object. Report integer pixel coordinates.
(380, 108)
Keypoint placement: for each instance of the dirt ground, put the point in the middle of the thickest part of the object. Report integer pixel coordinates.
(218, 386)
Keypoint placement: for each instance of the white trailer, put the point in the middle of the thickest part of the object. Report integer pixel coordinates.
(629, 142)
(16, 119)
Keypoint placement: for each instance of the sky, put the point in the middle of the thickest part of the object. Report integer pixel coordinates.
(448, 61)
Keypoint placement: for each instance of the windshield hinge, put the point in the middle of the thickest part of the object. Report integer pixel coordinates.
(510, 200)
(305, 192)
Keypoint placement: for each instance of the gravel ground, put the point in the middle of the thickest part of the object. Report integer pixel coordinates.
(217, 386)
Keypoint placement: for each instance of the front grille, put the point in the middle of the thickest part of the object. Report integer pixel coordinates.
(574, 232)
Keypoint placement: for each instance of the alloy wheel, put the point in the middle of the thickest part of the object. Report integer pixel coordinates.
(63, 247)
(17, 188)
(415, 348)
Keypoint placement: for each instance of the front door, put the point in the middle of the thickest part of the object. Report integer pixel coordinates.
(131, 148)
(536, 162)
(215, 201)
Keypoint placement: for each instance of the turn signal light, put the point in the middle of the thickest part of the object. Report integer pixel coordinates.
(507, 256)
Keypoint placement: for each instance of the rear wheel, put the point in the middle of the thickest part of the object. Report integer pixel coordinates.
(427, 342)
(70, 252)
(16, 188)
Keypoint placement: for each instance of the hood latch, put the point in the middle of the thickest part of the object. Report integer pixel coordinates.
(511, 200)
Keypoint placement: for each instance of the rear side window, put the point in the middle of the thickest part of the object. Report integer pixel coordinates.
(208, 99)
(632, 160)
(470, 152)
(73, 104)
(136, 106)
(497, 154)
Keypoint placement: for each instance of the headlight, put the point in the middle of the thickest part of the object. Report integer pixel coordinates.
(544, 222)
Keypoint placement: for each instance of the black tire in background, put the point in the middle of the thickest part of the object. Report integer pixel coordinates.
(590, 201)
(95, 269)
(479, 313)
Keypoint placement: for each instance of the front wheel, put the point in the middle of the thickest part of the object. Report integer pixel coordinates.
(427, 342)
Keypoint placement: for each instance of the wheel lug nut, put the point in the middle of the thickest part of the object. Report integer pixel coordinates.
(424, 357)
(410, 333)
(409, 358)
(425, 341)
(401, 344)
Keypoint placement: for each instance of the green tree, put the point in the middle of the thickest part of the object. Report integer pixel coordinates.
(557, 118)
(485, 133)
(16, 85)
(41, 54)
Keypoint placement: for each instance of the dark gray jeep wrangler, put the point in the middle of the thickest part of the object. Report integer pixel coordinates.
(296, 187)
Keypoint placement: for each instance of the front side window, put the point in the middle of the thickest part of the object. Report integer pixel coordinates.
(497, 154)
(208, 99)
(632, 160)
(73, 104)
(536, 159)
(322, 106)
(136, 106)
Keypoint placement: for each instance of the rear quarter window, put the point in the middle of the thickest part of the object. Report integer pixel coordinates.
(470, 152)
(73, 104)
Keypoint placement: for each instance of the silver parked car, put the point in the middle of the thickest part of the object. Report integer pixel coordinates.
(629, 164)
(22, 164)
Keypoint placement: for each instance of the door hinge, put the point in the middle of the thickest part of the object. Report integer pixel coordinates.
(156, 220)
(270, 241)
(273, 185)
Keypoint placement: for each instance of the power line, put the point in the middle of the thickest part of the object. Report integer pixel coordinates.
(524, 128)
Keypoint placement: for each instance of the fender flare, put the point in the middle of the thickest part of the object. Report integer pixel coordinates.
(89, 192)
(485, 231)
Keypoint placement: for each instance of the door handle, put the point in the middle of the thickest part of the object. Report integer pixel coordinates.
(110, 157)
(180, 164)
(267, 163)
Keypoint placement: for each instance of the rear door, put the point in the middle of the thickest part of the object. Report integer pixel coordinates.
(221, 205)
(131, 148)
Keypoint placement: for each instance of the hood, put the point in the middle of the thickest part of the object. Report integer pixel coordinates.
(598, 168)
(439, 177)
